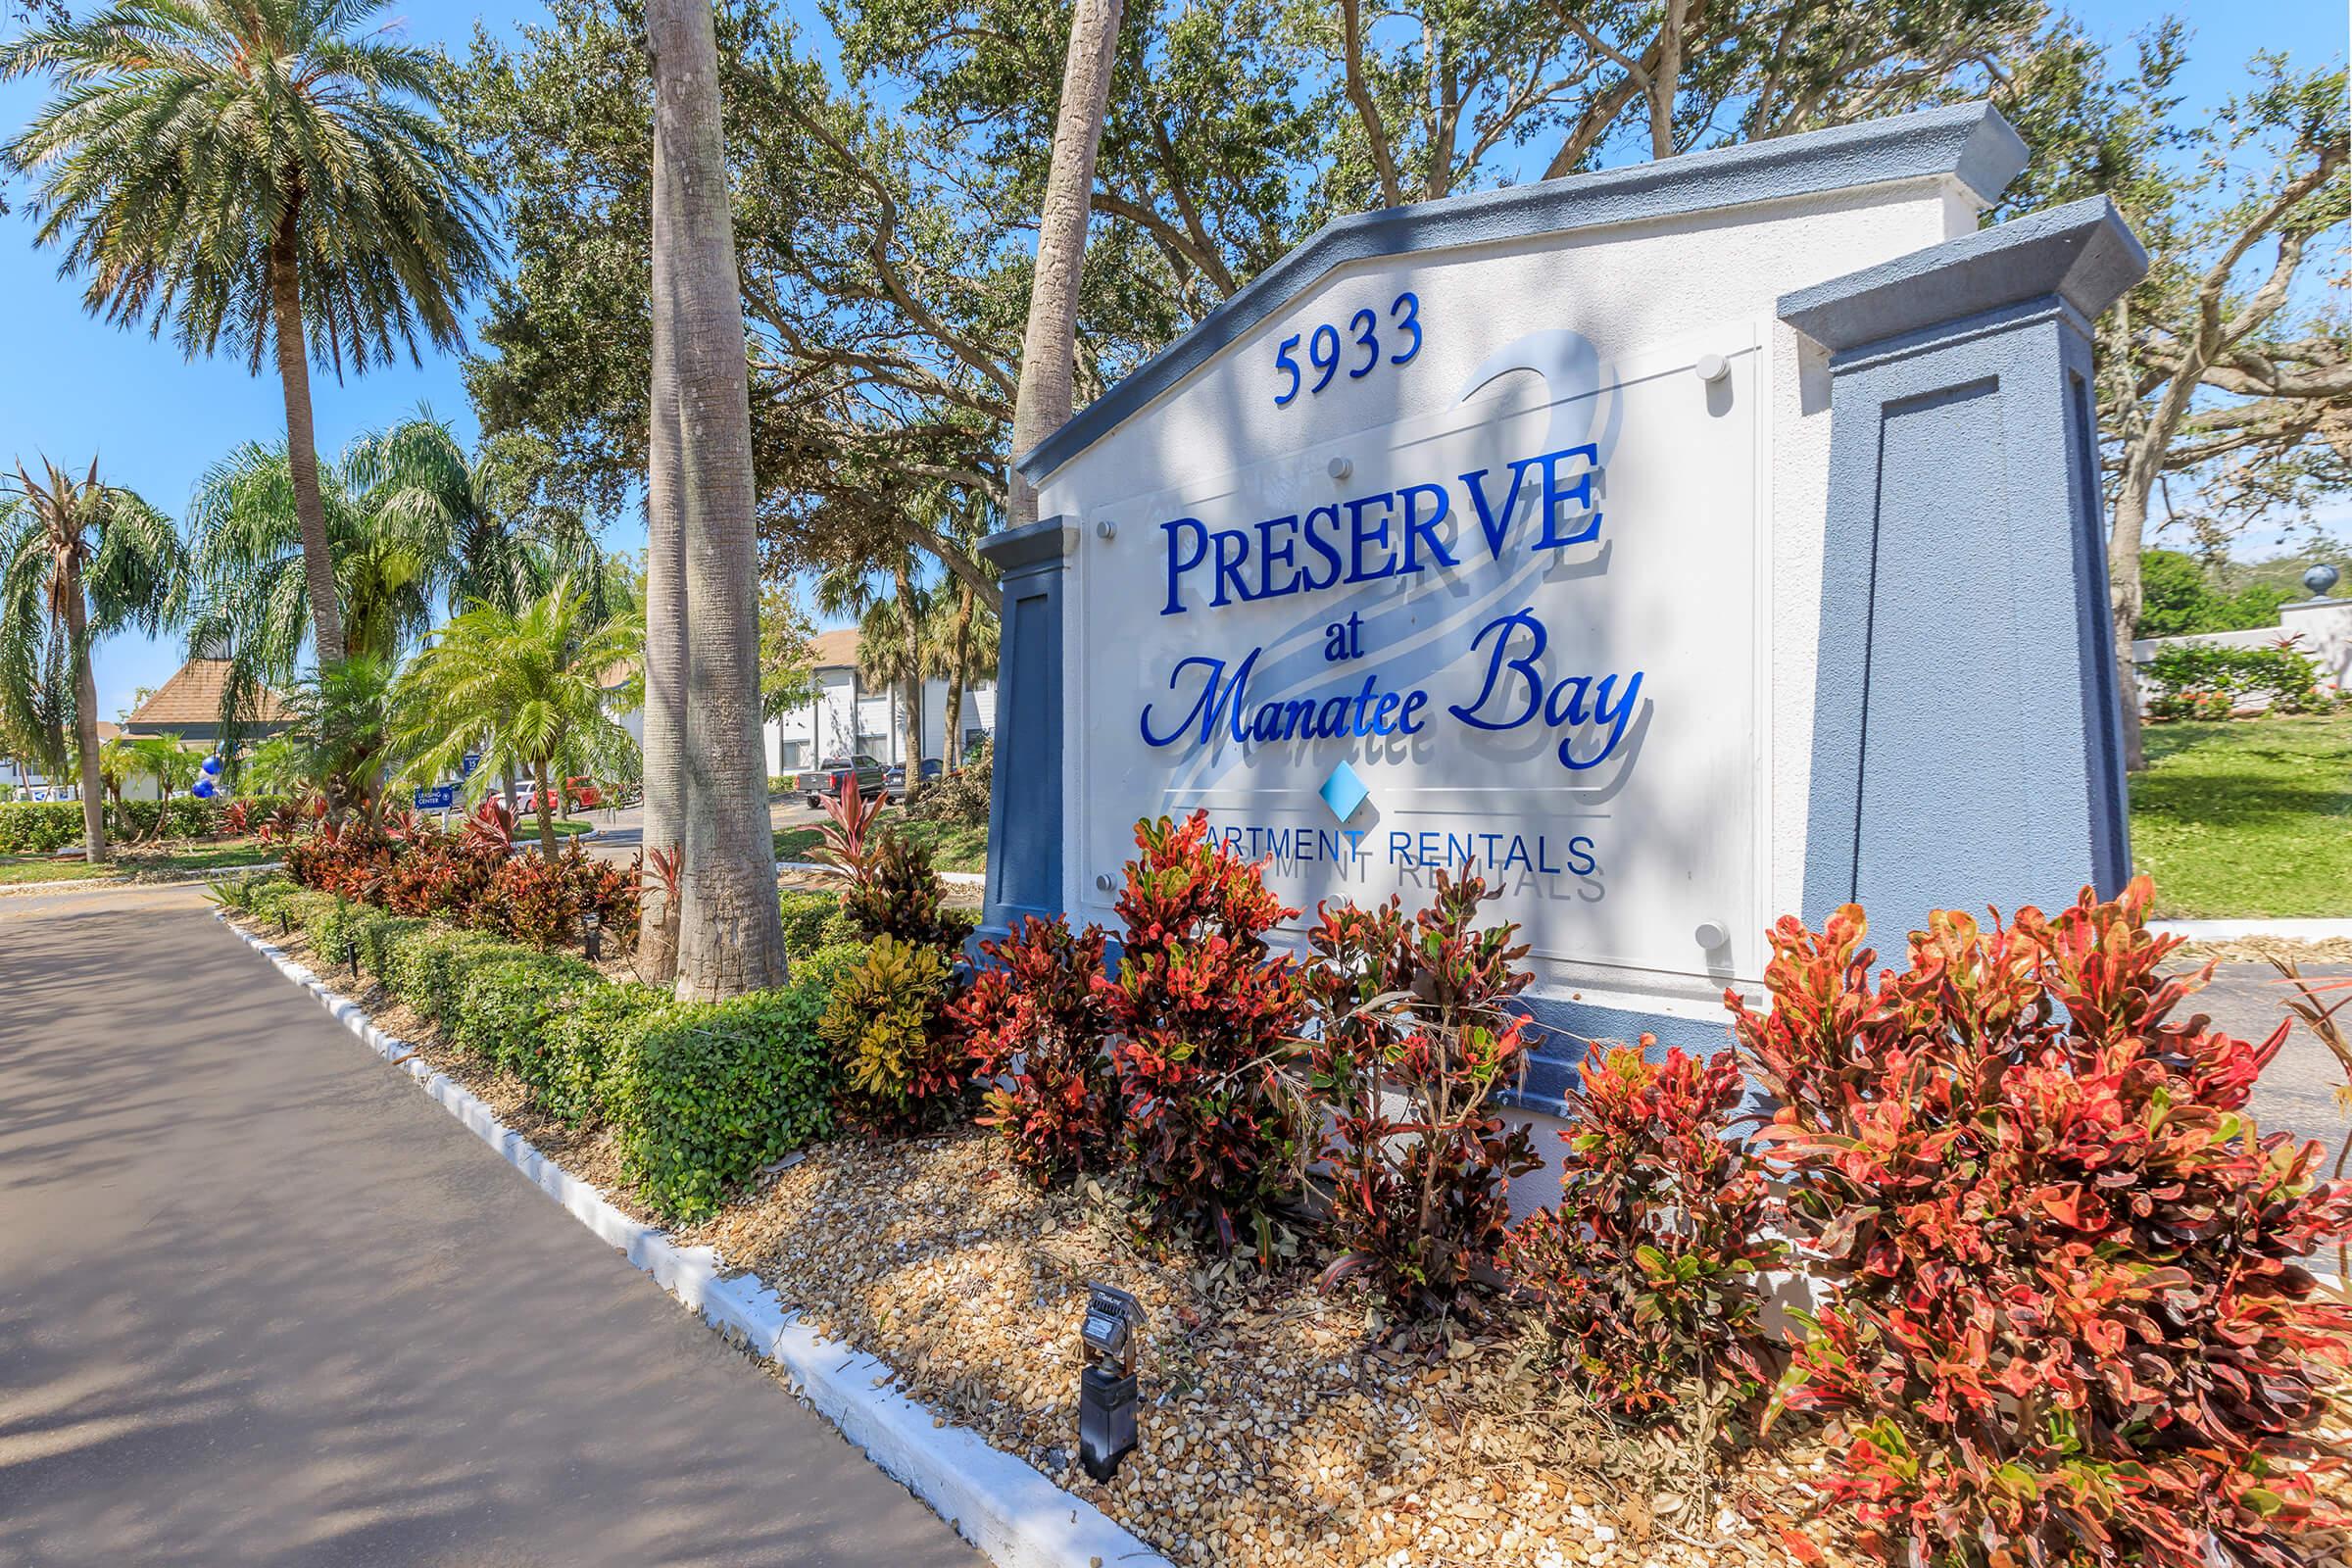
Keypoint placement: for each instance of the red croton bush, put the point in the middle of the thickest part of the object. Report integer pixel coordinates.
(1034, 1024)
(1412, 1044)
(411, 867)
(2067, 1321)
(1649, 1271)
(1206, 1014)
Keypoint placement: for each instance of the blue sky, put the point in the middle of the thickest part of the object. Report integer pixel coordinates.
(77, 387)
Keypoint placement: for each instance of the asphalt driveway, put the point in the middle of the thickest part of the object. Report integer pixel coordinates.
(262, 1302)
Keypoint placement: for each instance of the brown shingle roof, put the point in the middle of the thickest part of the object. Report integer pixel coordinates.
(192, 696)
(835, 650)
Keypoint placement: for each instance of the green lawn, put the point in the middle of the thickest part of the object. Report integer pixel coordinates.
(178, 855)
(2247, 818)
(954, 846)
(15, 872)
(797, 843)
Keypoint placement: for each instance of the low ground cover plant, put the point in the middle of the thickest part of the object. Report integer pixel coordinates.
(2067, 1318)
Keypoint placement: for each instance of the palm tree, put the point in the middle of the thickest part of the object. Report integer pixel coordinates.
(78, 561)
(493, 545)
(891, 629)
(272, 170)
(1050, 343)
(961, 646)
(708, 772)
(167, 759)
(249, 571)
(528, 688)
(339, 734)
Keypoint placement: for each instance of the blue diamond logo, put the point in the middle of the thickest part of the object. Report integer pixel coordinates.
(1344, 791)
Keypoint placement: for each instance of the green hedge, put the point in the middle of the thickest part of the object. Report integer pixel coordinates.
(700, 1096)
(707, 1093)
(2200, 681)
(43, 827)
(807, 916)
(505, 1004)
(583, 1039)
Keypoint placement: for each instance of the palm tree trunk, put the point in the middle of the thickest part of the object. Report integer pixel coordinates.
(662, 798)
(85, 712)
(544, 811)
(959, 649)
(302, 452)
(731, 936)
(1049, 342)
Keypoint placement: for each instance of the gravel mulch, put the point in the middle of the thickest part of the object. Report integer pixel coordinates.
(1275, 1430)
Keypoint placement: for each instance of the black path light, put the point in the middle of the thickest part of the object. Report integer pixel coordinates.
(592, 930)
(1114, 1326)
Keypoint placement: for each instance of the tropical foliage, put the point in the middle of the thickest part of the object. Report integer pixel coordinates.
(271, 172)
(79, 561)
(2069, 1308)
(1415, 1040)
(525, 690)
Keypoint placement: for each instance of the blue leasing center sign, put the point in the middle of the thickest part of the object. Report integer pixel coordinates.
(1655, 557)
(440, 798)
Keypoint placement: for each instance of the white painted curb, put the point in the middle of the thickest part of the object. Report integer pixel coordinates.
(2241, 930)
(994, 1500)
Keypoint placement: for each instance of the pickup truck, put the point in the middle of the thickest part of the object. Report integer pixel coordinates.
(873, 778)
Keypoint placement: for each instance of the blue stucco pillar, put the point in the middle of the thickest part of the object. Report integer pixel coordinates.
(1967, 743)
(1025, 809)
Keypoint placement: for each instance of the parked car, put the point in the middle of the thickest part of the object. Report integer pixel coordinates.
(895, 785)
(580, 791)
(826, 778)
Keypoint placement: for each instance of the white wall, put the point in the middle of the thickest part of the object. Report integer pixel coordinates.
(805, 735)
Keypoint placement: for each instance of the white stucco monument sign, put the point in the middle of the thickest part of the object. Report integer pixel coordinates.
(1678, 547)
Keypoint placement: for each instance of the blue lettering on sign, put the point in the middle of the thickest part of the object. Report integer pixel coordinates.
(1576, 702)
(1387, 533)
(1593, 711)
(1323, 347)
(1218, 701)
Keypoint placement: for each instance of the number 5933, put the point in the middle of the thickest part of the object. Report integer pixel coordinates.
(1361, 349)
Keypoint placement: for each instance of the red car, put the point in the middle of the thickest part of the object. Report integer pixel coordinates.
(580, 792)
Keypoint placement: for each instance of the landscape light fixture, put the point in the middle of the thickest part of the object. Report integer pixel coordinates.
(1106, 1400)
(592, 934)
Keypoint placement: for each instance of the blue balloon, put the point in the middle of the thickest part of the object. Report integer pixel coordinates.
(204, 789)
(212, 763)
